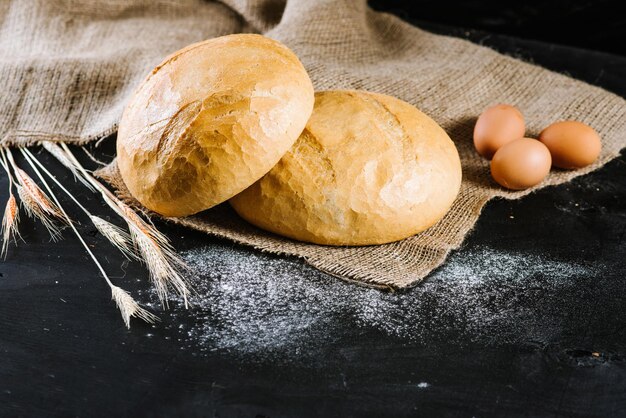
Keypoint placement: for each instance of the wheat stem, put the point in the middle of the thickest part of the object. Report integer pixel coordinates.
(80, 238)
(5, 165)
(28, 154)
(118, 237)
(161, 260)
(92, 158)
(54, 149)
(125, 303)
(37, 204)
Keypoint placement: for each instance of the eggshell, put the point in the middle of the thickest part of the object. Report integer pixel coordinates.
(572, 144)
(521, 164)
(496, 126)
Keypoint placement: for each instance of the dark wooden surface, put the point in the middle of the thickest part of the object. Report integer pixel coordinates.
(65, 352)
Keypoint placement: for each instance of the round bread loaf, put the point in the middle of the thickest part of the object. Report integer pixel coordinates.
(210, 120)
(367, 169)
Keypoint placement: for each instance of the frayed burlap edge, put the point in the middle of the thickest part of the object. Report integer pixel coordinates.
(26, 138)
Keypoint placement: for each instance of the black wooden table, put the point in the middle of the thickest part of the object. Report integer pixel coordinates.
(528, 319)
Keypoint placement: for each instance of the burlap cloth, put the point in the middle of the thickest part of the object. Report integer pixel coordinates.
(67, 68)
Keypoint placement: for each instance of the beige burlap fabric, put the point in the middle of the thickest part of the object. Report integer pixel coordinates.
(68, 67)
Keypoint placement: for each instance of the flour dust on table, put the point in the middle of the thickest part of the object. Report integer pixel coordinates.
(262, 306)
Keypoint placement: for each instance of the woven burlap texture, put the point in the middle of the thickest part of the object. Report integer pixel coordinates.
(69, 66)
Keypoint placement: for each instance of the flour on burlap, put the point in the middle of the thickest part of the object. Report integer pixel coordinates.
(262, 306)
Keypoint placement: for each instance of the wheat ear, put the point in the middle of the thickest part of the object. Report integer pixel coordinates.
(11, 217)
(129, 307)
(164, 266)
(126, 304)
(10, 220)
(116, 235)
(37, 204)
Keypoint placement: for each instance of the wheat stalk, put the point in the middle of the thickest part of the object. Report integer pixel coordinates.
(11, 216)
(92, 158)
(33, 210)
(38, 196)
(37, 204)
(126, 304)
(164, 265)
(161, 264)
(58, 153)
(117, 236)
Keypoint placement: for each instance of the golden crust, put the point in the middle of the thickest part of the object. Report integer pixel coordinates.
(367, 169)
(210, 120)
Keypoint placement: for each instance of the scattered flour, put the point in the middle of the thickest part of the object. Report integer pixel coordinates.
(252, 303)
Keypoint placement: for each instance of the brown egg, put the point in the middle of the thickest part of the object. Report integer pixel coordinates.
(572, 144)
(496, 126)
(521, 164)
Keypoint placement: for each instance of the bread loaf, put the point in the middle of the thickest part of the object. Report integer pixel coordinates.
(210, 120)
(367, 169)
